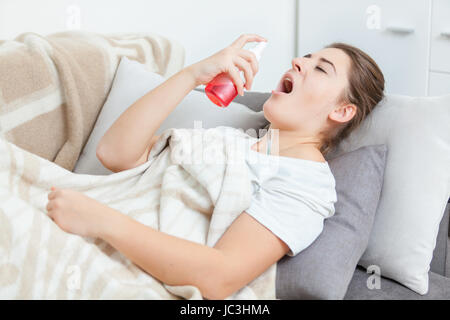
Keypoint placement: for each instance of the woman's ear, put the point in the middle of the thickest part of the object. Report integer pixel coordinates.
(343, 113)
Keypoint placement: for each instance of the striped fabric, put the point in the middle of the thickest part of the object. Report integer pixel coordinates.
(53, 87)
(176, 191)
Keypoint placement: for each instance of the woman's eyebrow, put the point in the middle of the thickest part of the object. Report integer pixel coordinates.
(309, 55)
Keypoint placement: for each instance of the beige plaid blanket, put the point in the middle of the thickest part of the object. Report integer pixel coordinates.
(53, 87)
(177, 191)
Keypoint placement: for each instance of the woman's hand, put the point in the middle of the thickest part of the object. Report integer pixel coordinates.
(76, 213)
(230, 60)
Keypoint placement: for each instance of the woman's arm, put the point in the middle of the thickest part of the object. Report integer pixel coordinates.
(244, 251)
(126, 143)
(127, 139)
(170, 259)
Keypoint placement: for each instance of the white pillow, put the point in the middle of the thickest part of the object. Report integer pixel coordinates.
(416, 184)
(131, 82)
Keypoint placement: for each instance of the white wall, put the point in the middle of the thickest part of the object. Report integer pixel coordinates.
(202, 26)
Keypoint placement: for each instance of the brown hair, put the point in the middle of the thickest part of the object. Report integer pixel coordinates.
(365, 89)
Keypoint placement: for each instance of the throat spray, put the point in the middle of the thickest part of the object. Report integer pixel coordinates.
(221, 90)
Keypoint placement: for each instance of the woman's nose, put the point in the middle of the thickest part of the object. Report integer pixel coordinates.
(297, 64)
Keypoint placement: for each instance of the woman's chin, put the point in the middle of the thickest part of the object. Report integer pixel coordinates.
(272, 102)
(269, 109)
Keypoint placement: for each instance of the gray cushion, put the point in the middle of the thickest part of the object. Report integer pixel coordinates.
(439, 288)
(325, 269)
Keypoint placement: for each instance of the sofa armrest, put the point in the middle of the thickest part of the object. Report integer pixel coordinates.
(252, 99)
(439, 288)
(439, 261)
(448, 209)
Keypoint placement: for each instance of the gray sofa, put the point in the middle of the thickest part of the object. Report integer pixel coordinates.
(439, 275)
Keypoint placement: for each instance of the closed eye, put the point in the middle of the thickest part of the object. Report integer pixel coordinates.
(321, 69)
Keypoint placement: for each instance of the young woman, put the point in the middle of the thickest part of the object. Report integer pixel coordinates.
(317, 103)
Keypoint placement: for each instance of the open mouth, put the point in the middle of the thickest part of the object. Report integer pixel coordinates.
(285, 86)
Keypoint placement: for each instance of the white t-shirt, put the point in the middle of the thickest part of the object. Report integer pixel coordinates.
(291, 196)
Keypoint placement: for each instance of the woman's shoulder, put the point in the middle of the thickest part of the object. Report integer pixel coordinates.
(306, 170)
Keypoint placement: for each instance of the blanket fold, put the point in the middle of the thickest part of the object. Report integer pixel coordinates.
(177, 191)
(53, 87)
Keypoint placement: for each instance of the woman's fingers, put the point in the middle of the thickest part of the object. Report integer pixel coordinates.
(49, 205)
(243, 65)
(50, 211)
(246, 61)
(247, 37)
(53, 194)
(237, 80)
(251, 58)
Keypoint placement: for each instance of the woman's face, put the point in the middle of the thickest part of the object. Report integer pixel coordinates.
(318, 79)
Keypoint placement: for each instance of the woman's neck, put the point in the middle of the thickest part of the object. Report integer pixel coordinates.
(287, 143)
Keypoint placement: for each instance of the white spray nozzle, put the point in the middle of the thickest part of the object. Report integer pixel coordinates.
(258, 49)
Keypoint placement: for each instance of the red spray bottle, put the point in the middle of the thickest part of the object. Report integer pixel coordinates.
(221, 90)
